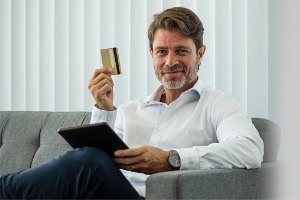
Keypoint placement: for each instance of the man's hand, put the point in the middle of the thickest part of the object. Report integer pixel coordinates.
(101, 87)
(144, 159)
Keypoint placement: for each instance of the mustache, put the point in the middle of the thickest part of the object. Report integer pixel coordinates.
(172, 68)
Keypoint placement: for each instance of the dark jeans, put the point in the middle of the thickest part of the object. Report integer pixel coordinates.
(79, 174)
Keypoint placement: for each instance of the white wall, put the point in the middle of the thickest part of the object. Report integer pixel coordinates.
(284, 93)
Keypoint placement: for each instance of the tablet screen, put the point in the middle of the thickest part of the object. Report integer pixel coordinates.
(98, 135)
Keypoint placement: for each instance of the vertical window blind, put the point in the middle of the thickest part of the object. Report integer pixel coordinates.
(50, 48)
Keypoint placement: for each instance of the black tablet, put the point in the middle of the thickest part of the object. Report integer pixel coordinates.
(98, 135)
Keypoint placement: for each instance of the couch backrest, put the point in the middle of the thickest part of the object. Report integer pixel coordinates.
(28, 139)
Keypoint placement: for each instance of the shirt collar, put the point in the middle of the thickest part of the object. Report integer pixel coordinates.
(154, 99)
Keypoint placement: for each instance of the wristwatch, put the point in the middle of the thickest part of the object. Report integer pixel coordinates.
(174, 160)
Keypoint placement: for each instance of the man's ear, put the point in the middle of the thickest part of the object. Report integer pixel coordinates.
(201, 53)
(150, 51)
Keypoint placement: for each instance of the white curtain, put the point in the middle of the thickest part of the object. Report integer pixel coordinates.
(49, 49)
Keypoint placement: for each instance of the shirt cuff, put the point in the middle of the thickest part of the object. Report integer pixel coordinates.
(184, 158)
(99, 115)
(191, 158)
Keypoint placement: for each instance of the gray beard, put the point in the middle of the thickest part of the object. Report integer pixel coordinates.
(173, 85)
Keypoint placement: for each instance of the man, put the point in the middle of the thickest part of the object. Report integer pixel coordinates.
(182, 125)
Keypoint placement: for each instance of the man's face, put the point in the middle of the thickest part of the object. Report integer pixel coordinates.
(175, 59)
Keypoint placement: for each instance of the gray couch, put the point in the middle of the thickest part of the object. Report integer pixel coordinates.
(28, 139)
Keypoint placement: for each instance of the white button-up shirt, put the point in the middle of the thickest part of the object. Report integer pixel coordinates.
(208, 128)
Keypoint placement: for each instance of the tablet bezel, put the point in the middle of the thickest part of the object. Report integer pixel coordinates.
(99, 135)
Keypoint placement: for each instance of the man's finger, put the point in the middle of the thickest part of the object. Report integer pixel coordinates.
(99, 71)
(129, 152)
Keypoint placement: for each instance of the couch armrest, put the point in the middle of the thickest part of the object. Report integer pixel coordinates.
(214, 183)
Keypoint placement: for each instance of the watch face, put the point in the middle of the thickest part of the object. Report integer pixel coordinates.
(174, 160)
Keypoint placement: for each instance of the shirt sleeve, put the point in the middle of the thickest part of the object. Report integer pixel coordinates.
(239, 144)
(99, 115)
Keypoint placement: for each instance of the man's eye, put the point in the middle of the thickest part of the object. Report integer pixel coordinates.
(161, 52)
(182, 51)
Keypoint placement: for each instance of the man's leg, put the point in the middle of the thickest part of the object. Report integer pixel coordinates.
(82, 173)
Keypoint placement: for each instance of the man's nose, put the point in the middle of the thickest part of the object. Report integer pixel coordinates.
(171, 59)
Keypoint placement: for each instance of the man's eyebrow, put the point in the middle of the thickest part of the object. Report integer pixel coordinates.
(182, 47)
(159, 48)
(177, 47)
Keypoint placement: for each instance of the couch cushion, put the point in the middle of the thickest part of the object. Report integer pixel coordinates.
(30, 138)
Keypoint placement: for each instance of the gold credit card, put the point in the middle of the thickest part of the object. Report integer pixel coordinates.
(110, 59)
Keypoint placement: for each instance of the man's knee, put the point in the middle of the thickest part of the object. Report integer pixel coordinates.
(89, 156)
